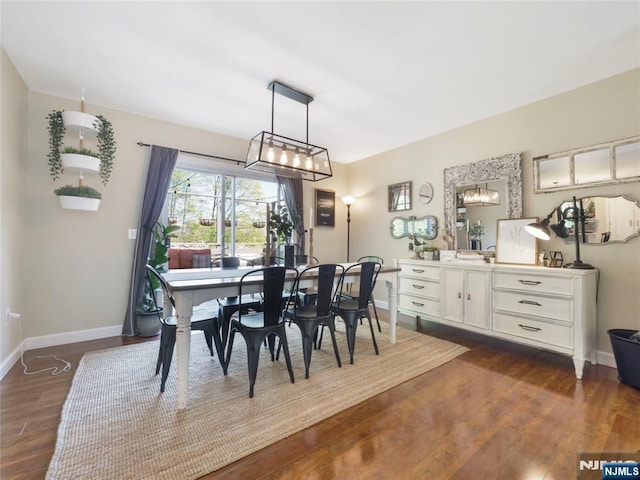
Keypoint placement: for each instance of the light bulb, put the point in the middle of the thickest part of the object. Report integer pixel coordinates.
(308, 164)
(271, 154)
(296, 158)
(284, 159)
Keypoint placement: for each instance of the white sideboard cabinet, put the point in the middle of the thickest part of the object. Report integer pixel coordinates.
(548, 308)
(466, 296)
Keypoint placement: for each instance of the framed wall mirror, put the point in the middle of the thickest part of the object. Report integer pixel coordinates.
(504, 174)
(424, 228)
(607, 163)
(399, 197)
(608, 219)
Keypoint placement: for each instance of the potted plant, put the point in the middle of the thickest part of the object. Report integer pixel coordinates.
(105, 140)
(146, 311)
(281, 227)
(476, 231)
(79, 197)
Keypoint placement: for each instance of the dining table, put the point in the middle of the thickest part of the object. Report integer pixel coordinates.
(193, 286)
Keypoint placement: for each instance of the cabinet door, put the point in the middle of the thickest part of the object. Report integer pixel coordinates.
(476, 299)
(453, 290)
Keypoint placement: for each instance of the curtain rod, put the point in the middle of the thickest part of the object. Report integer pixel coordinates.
(237, 162)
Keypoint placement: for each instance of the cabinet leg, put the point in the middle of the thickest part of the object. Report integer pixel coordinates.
(579, 366)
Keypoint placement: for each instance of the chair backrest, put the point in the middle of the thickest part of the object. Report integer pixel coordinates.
(152, 273)
(371, 258)
(328, 283)
(366, 279)
(273, 281)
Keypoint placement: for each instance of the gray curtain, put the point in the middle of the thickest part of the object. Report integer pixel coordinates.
(162, 161)
(292, 188)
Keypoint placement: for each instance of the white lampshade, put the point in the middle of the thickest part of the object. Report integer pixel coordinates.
(349, 200)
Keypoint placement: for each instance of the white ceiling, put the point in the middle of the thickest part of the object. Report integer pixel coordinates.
(383, 74)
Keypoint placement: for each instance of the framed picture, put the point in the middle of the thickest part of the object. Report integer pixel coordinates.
(325, 208)
(514, 244)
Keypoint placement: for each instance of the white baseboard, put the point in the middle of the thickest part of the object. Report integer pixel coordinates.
(382, 304)
(605, 358)
(71, 337)
(57, 339)
(10, 361)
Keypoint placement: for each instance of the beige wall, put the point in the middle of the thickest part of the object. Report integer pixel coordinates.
(13, 131)
(79, 262)
(605, 111)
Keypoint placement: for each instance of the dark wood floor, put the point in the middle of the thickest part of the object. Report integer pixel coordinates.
(498, 411)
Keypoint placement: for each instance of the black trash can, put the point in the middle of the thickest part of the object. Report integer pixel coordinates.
(627, 353)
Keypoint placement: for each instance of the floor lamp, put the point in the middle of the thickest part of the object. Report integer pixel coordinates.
(348, 201)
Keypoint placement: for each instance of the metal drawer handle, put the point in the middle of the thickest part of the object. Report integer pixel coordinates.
(418, 304)
(527, 327)
(419, 287)
(529, 282)
(530, 302)
(417, 270)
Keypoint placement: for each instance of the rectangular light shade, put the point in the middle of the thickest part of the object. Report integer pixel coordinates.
(481, 197)
(288, 157)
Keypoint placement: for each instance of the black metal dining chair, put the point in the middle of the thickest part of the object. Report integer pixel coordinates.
(310, 317)
(351, 292)
(269, 324)
(229, 305)
(201, 319)
(351, 310)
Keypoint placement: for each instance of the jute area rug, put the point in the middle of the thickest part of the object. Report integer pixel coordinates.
(116, 424)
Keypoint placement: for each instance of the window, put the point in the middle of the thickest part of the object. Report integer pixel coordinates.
(222, 212)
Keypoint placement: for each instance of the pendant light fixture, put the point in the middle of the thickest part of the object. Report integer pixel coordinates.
(284, 156)
(481, 197)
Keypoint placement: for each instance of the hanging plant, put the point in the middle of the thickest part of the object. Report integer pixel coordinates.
(106, 147)
(78, 191)
(80, 151)
(105, 139)
(56, 135)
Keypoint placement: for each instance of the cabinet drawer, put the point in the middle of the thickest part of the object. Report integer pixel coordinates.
(420, 305)
(538, 305)
(545, 332)
(419, 287)
(533, 283)
(432, 273)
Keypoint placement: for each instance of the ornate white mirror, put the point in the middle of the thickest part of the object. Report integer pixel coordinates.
(607, 219)
(502, 174)
(424, 228)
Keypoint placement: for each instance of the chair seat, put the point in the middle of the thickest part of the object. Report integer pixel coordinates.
(251, 320)
(247, 300)
(347, 305)
(199, 315)
(307, 312)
